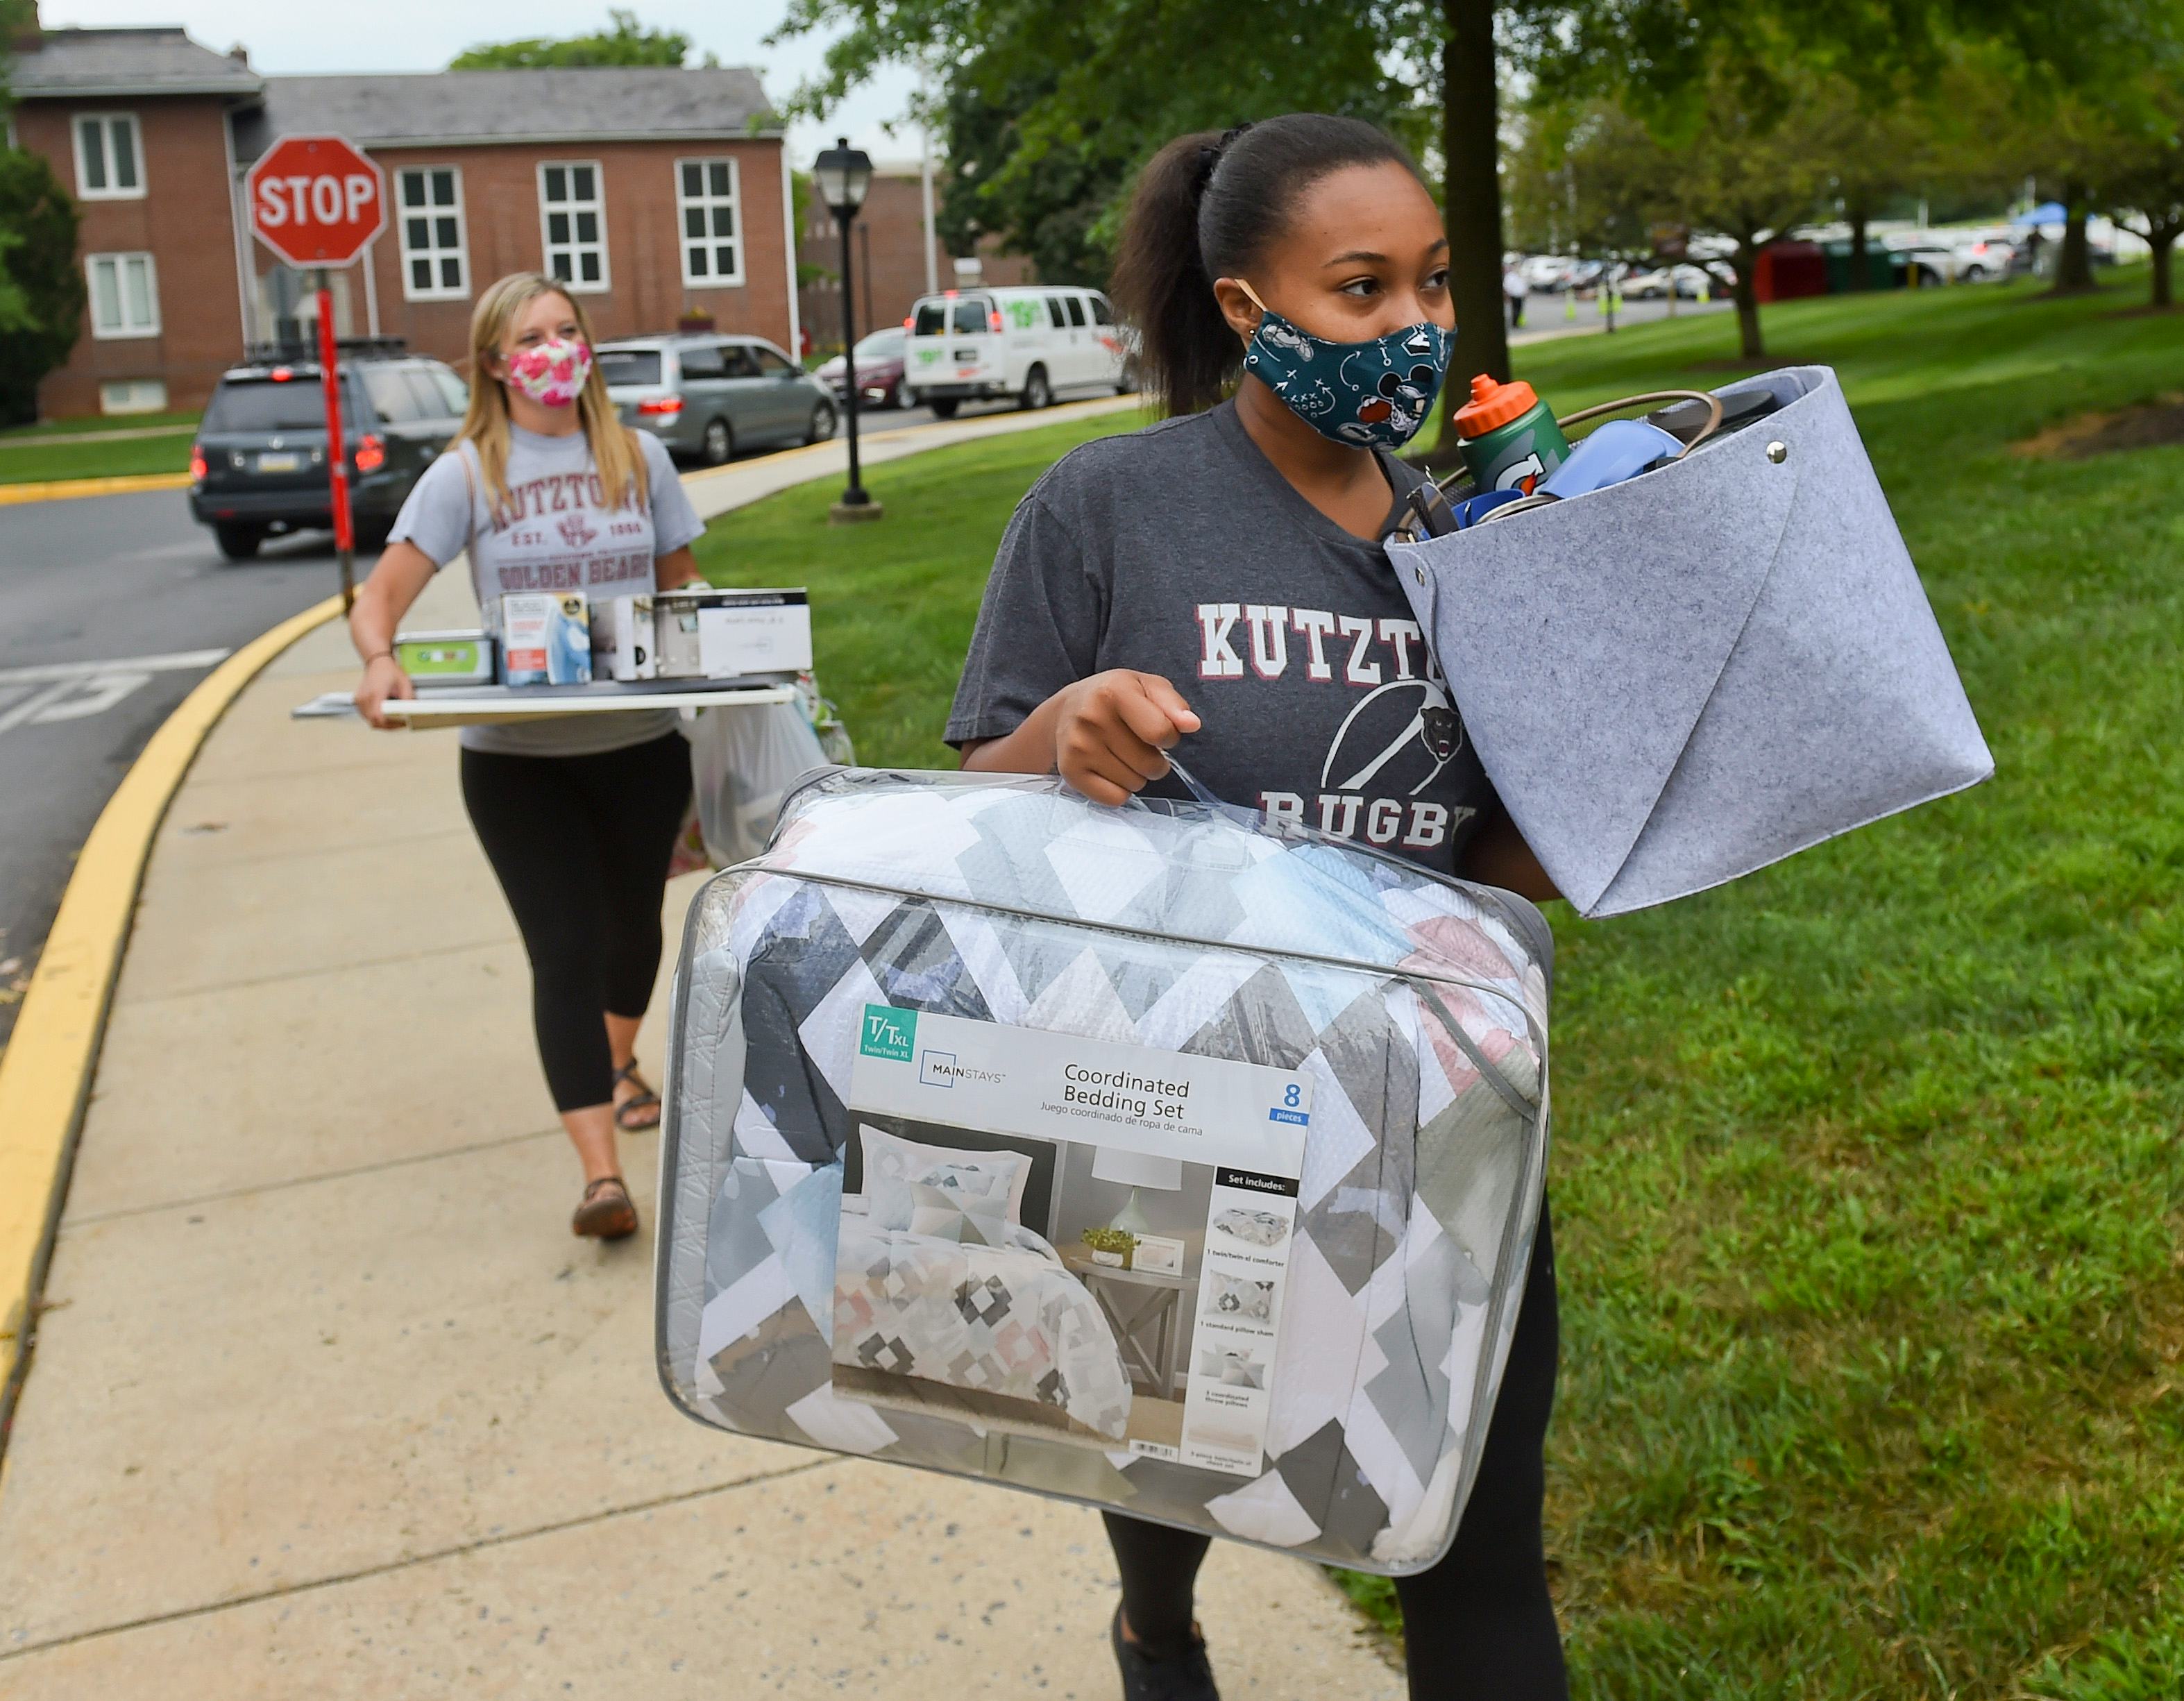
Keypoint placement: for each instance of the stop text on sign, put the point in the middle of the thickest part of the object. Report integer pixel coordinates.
(316, 200)
(302, 200)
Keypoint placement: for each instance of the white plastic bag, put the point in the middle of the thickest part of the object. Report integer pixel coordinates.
(741, 760)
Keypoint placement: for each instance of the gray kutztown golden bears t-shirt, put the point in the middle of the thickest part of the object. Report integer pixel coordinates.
(553, 533)
(1179, 550)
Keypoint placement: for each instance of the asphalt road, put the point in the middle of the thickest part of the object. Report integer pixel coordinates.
(111, 609)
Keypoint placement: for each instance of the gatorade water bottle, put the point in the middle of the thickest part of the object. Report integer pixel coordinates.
(1509, 439)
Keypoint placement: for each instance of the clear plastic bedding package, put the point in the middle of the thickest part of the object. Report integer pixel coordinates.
(1148, 1157)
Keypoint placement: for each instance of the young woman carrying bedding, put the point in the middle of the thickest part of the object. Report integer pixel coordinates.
(1217, 581)
(546, 488)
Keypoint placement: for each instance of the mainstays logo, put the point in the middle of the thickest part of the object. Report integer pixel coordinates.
(889, 1033)
(940, 1069)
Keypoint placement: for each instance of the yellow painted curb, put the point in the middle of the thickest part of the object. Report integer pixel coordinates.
(45, 1074)
(54, 489)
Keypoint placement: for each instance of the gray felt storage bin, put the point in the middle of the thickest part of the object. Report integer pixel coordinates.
(1685, 676)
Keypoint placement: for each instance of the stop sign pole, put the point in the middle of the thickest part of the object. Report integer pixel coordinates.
(337, 449)
(317, 202)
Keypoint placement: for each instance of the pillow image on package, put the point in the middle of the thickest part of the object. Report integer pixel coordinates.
(1237, 1299)
(956, 1046)
(1232, 1369)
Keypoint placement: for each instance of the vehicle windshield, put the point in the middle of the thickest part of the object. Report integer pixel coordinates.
(630, 365)
(970, 316)
(880, 344)
(247, 405)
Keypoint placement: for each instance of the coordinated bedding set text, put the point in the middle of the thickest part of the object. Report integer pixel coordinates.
(1146, 1157)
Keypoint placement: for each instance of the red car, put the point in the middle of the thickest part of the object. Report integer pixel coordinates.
(879, 371)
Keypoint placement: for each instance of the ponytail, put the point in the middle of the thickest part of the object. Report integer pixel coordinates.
(1186, 350)
(1206, 206)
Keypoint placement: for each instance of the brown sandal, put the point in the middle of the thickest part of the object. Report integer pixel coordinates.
(607, 1212)
(644, 1099)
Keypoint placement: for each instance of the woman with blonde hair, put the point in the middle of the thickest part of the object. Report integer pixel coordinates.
(546, 490)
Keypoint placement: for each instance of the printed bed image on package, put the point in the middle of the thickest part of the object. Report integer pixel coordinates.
(1253, 1227)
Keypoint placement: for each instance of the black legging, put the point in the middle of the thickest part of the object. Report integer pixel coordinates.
(1480, 1623)
(581, 846)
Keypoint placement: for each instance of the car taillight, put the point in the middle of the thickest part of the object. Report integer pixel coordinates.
(909, 322)
(371, 455)
(198, 468)
(280, 375)
(661, 404)
(994, 320)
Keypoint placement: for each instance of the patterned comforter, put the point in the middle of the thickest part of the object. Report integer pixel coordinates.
(997, 1320)
(1416, 1004)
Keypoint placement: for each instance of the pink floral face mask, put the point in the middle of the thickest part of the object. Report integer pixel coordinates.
(551, 373)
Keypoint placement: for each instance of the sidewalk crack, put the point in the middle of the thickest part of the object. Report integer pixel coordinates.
(363, 1573)
(121, 1212)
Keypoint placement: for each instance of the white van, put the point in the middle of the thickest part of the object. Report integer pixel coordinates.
(1031, 342)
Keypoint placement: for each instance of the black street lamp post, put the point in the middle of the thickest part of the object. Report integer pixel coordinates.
(843, 174)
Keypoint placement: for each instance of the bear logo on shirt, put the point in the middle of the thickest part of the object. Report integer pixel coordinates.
(576, 531)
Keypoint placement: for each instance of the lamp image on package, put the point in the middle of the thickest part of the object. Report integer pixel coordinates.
(949, 1030)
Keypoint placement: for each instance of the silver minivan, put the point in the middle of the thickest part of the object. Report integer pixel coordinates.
(706, 396)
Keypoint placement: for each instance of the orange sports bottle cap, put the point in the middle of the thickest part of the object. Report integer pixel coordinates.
(1493, 404)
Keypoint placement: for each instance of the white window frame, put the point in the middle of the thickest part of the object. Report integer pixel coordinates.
(433, 253)
(575, 249)
(706, 201)
(124, 331)
(107, 121)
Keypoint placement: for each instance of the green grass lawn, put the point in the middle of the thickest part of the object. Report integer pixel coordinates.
(1868, 1184)
(35, 453)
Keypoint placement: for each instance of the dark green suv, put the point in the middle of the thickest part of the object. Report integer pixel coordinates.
(258, 467)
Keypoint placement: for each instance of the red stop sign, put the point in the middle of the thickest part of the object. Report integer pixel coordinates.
(315, 200)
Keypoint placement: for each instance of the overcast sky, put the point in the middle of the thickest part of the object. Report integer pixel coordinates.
(285, 37)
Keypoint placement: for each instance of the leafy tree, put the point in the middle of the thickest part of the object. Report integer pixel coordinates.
(41, 291)
(1104, 82)
(626, 43)
(2149, 182)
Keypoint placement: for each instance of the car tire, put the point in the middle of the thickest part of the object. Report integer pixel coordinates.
(898, 397)
(1126, 383)
(1037, 392)
(821, 427)
(238, 543)
(716, 443)
(944, 407)
(1975, 274)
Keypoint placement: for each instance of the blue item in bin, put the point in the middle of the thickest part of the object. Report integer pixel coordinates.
(1620, 450)
(1474, 509)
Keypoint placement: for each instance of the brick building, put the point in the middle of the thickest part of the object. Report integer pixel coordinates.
(656, 193)
(889, 262)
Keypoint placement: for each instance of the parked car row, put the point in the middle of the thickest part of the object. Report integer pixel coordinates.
(258, 469)
(1558, 274)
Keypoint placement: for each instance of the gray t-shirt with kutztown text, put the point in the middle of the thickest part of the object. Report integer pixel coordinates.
(552, 534)
(1181, 550)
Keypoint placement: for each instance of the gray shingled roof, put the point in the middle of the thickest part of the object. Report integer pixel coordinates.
(160, 60)
(595, 103)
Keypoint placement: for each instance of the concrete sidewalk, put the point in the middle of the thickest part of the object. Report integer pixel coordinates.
(327, 1401)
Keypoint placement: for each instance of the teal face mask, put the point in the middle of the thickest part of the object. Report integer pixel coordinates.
(1370, 395)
